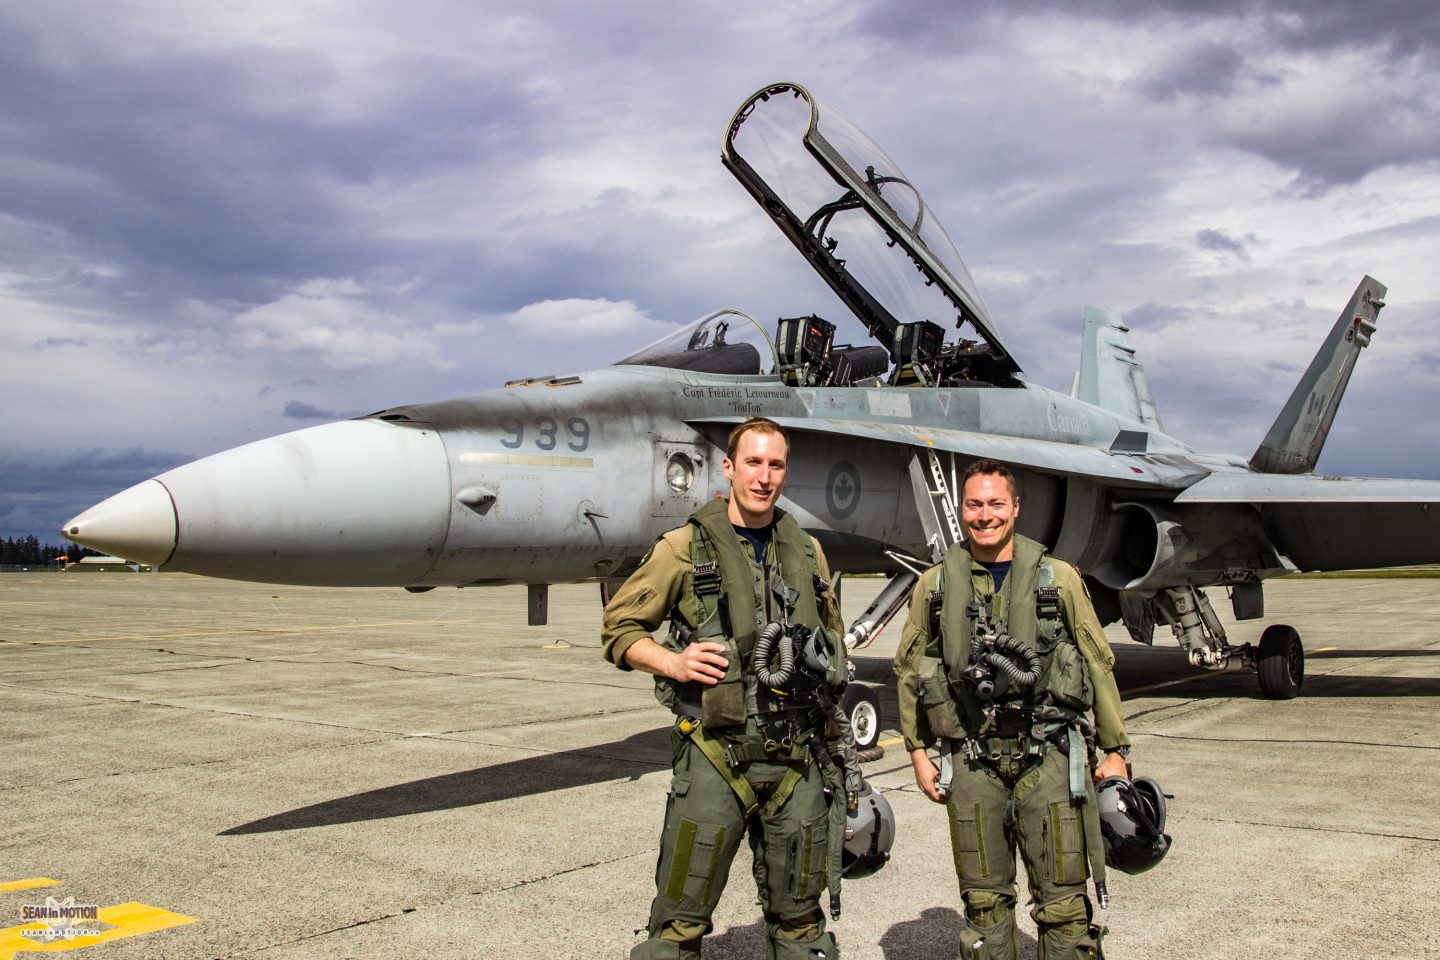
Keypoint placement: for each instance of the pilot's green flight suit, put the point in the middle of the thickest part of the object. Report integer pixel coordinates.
(727, 778)
(1013, 782)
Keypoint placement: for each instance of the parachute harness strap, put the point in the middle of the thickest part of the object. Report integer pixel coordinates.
(724, 760)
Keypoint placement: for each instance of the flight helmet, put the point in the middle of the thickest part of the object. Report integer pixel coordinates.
(869, 834)
(1132, 823)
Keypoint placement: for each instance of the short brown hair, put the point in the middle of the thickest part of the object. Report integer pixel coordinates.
(760, 425)
(991, 468)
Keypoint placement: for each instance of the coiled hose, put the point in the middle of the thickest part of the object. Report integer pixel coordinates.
(1021, 678)
(763, 650)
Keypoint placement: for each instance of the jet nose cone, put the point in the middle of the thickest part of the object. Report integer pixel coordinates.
(137, 524)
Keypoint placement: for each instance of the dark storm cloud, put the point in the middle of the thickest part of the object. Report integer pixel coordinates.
(1403, 26)
(1222, 242)
(1348, 144)
(1209, 69)
(219, 176)
(172, 168)
(37, 493)
(298, 410)
(1224, 58)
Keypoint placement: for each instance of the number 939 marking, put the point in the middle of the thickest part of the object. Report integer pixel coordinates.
(546, 433)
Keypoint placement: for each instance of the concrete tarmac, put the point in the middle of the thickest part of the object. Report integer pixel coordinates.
(322, 773)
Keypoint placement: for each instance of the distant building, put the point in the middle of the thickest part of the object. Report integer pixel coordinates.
(108, 565)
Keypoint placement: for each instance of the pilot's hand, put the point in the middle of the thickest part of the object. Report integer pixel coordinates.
(1113, 765)
(701, 662)
(926, 773)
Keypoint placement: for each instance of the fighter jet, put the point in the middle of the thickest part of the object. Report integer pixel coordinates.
(570, 478)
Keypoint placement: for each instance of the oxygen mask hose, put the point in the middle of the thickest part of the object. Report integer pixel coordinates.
(765, 648)
(997, 659)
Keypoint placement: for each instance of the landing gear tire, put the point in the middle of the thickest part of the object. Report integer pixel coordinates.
(863, 709)
(1280, 663)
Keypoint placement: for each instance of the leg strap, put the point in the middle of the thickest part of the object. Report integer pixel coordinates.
(1080, 793)
(715, 752)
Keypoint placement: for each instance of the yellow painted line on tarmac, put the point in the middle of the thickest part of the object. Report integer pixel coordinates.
(890, 742)
(34, 883)
(125, 919)
(260, 630)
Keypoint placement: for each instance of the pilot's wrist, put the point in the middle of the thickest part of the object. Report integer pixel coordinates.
(1123, 749)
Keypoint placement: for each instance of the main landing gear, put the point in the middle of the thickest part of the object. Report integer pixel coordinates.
(1279, 661)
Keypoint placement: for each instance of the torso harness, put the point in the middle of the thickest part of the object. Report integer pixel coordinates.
(779, 691)
(769, 622)
(990, 687)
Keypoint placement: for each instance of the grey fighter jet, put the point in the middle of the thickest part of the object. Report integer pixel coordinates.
(571, 478)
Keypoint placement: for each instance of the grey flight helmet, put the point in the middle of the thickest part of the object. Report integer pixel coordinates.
(869, 834)
(1132, 823)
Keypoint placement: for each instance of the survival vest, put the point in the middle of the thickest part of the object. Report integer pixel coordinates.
(730, 604)
(1062, 691)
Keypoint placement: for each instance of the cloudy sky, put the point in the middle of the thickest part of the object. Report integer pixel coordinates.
(219, 222)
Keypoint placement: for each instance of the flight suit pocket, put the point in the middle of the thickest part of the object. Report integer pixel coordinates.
(1066, 678)
(1065, 844)
(723, 705)
(805, 859)
(935, 695)
(967, 837)
(695, 864)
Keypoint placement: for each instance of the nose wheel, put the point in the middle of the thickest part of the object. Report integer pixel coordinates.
(1280, 662)
(863, 708)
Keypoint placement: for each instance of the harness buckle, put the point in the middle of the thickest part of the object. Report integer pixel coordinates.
(706, 577)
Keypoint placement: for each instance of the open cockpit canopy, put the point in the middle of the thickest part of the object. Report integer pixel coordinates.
(866, 229)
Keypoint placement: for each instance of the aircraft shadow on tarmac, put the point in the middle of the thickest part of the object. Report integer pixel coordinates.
(1240, 684)
(1141, 666)
(633, 756)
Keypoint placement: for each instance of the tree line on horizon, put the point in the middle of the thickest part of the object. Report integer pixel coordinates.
(30, 552)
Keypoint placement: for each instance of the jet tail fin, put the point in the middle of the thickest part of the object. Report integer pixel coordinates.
(1295, 439)
(1110, 377)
